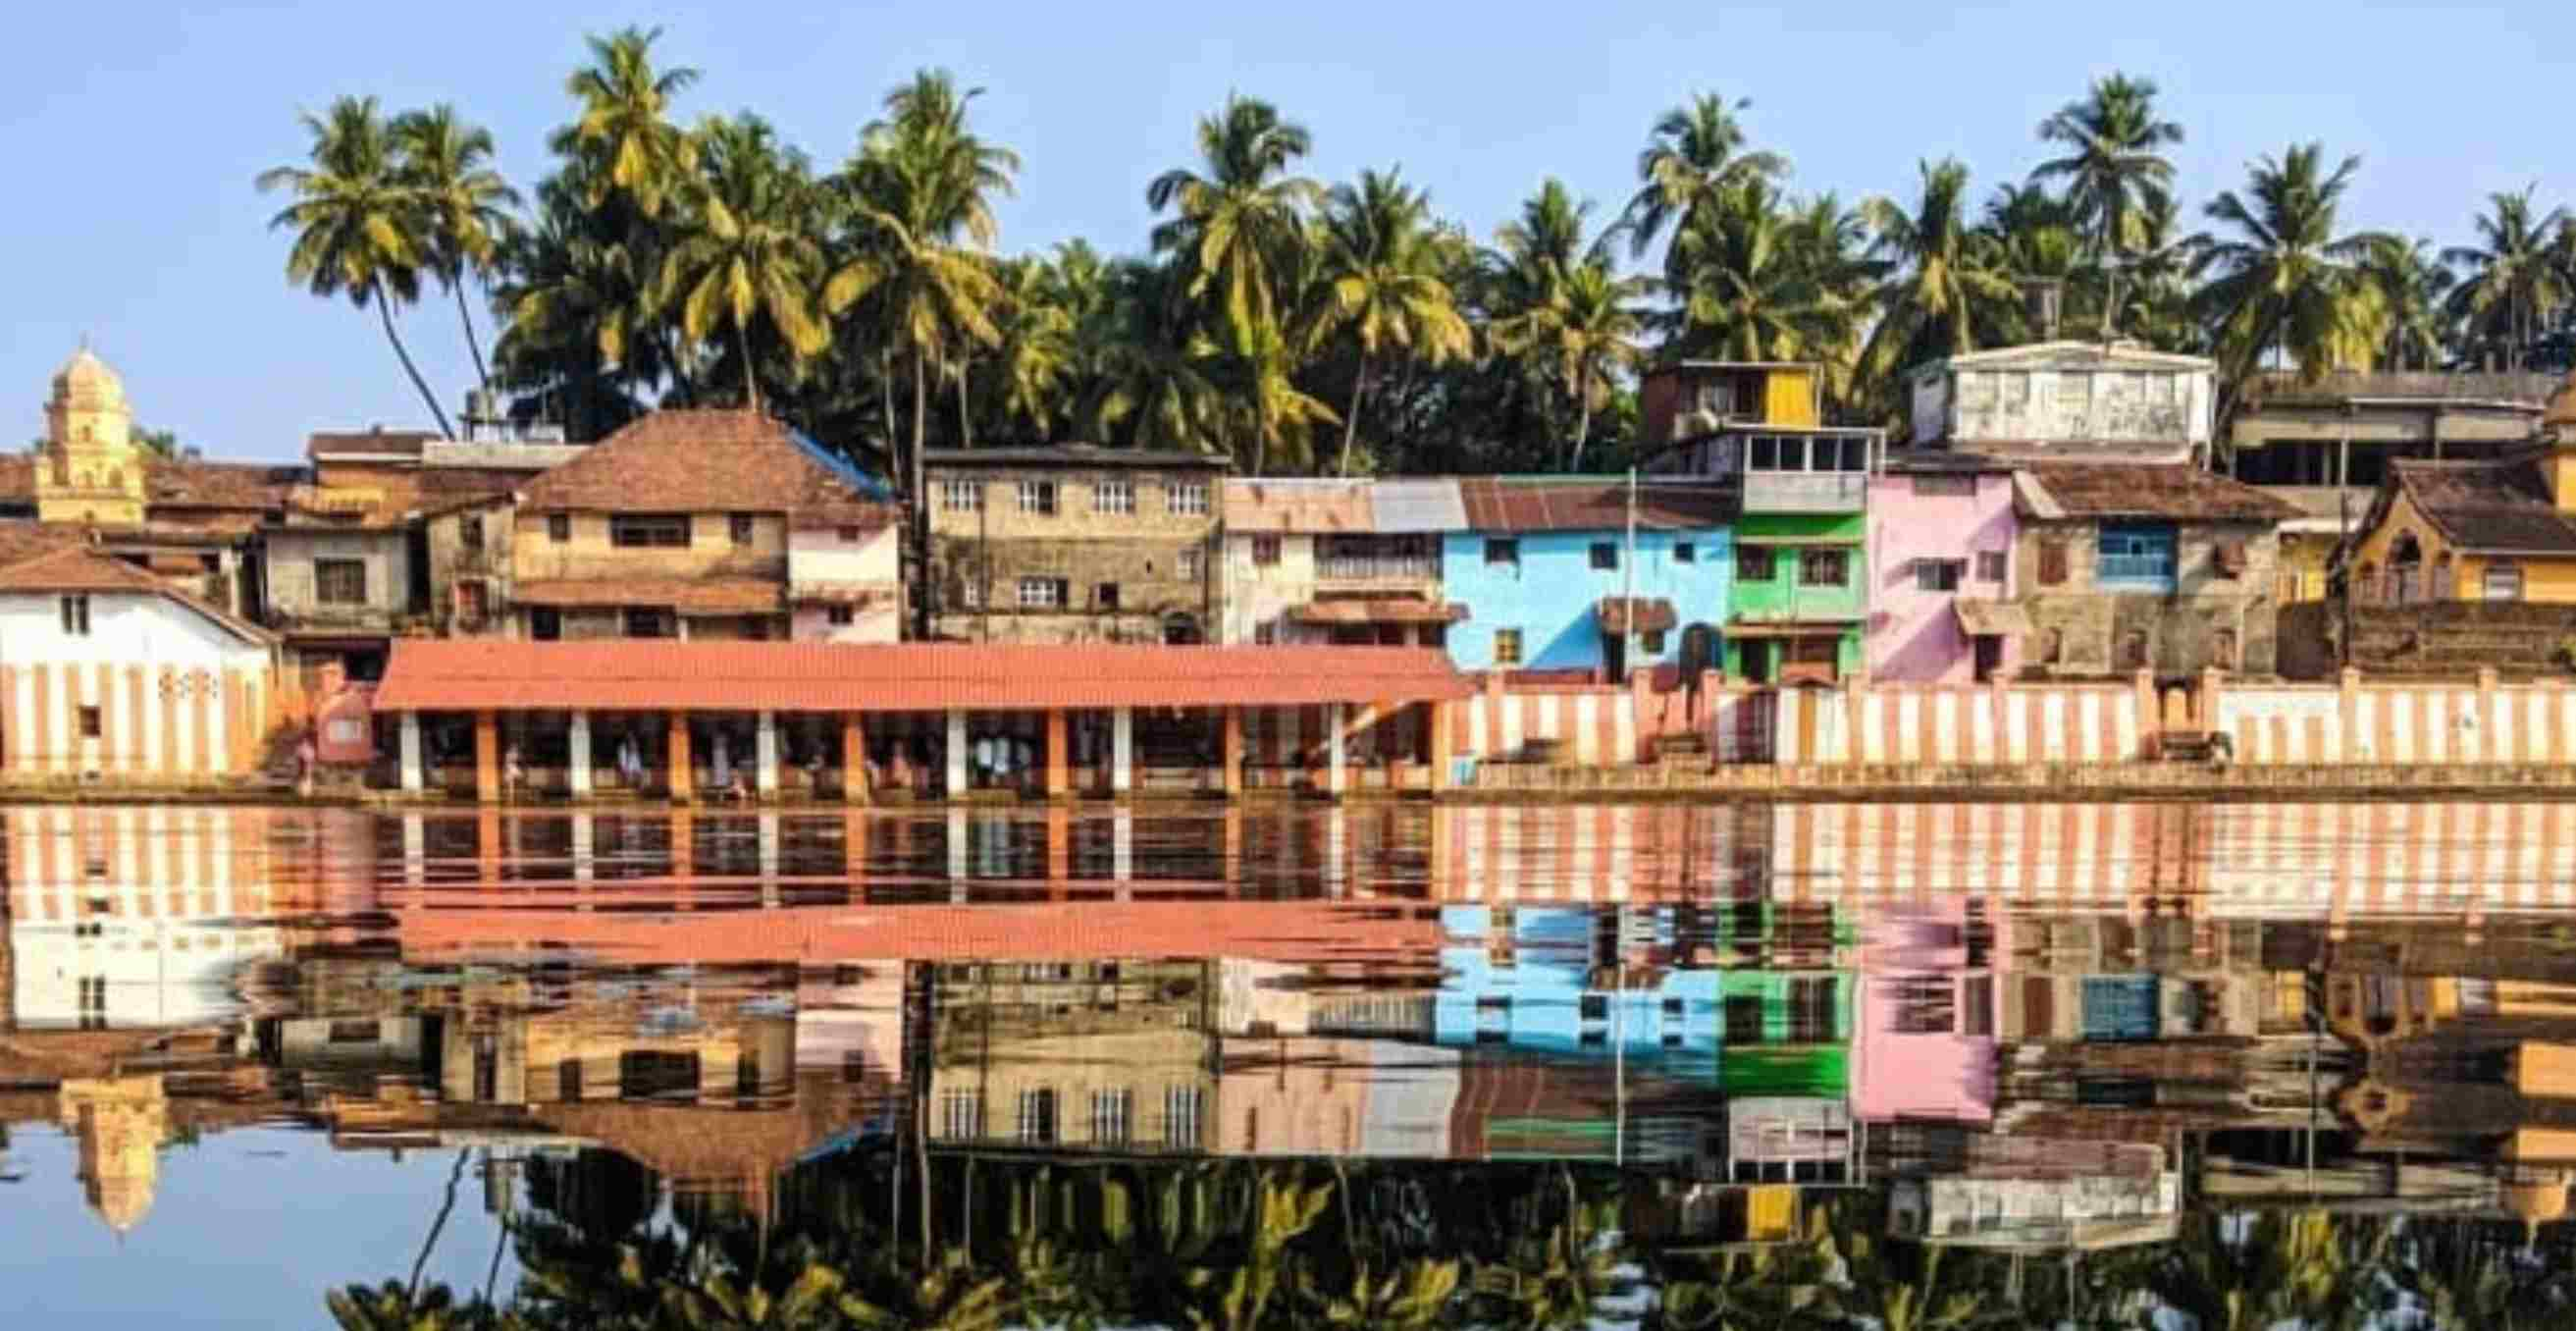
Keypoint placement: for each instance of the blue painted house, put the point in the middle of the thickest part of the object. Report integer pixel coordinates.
(1530, 981)
(1542, 569)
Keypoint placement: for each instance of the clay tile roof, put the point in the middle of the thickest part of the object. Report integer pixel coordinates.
(706, 596)
(703, 461)
(20, 541)
(48, 564)
(235, 485)
(2562, 404)
(2155, 490)
(17, 479)
(649, 675)
(2501, 506)
(1575, 503)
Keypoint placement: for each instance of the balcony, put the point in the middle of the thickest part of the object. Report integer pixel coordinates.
(1805, 491)
(1376, 568)
(350, 619)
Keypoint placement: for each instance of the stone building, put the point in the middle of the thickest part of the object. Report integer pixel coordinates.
(1101, 1055)
(191, 523)
(2122, 567)
(677, 526)
(1074, 543)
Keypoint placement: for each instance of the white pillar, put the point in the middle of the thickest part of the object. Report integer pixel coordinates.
(769, 853)
(1122, 843)
(766, 748)
(1122, 753)
(412, 780)
(1337, 775)
(415, 849)
(585, 843)
(956, 754)
(957, 851)
(580, 749)
(1336, 838)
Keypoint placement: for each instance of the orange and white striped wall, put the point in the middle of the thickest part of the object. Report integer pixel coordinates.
(1868, 722)
(131, 723)
(2409, 723)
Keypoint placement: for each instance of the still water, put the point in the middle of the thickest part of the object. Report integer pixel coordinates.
(1287, 1065)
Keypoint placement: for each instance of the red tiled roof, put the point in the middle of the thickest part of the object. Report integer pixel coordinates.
(704, 462)
(2159, 490)
(17, 479)
(1497, 503)
(707, 596)
(252, 486)
(75, 566)
(2501, 506)
(1379, 610)
(652, 675)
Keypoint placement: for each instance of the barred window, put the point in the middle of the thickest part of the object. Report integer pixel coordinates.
(961, 496)
(1037, 497)
(1115, 496)
(340, 581)
(1188, 498)
(667, 531)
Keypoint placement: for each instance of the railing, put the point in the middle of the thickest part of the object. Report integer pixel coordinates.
(1367, 568)
(365, 618)
(2135, 568)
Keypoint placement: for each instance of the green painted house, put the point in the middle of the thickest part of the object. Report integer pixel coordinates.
(1800, 597)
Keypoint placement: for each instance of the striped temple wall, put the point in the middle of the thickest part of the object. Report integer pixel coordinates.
(153, 726)
(2414, 723)
(2005, 725)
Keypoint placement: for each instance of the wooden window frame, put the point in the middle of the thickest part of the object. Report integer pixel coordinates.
(651, 531)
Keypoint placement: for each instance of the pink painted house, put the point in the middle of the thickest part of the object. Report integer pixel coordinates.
(1941, 539)
(1925, 1042)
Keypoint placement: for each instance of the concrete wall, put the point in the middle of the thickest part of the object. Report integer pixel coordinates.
(1551, 594)
(178, 698)
(2080, 628)
(292, 550)
(1259, 594)
(1914, 634)
(590, 553)
(450, 561)
(870, 562)
(2077, 397)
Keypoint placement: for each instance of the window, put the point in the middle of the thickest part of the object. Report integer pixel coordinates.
(848, 535)
(1118, 496)
(1189, 498)
(1265, 551)
(91, 724)
(961, 1115)
(1265, 634)
(649, 531)
(1042, 593)
(568, 1080)
(1756, 563)
(340, 581)
(1037, 1117)
(469, 533)
(559, 528)
(2052, 561)
(741, 525)
(1182, 1111)
(1605, 555)
(1945, 487)
(1111, 1113)
(2501, 582)
(1717, 397)
(651, 622)
(1503, 550)
(2013, 390)
(1652, 640)
(1824, 568)
(1507, 647)
(838, 616)
(1037, 497)
(1105, 596)
(1685, 553)
(1189, 563)
(2137, 556)
(1939, 575)
(2222, 648)
(75, 616)
(545, 623)
(2133, 649)
(1990, 566)
(961, 496)
(2227, 560)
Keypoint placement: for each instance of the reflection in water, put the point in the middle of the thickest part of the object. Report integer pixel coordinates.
(1521, 1065)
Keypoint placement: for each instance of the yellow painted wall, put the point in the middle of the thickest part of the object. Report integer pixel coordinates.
(1789, 397)
(2545, 581)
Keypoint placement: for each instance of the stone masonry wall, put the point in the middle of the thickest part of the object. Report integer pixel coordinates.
(2090, 628)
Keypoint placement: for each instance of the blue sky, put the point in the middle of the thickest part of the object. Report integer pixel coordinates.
(134, 130)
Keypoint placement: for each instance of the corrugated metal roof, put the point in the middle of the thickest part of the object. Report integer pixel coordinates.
(1598, 503)
(1428, 505)
(654, 675)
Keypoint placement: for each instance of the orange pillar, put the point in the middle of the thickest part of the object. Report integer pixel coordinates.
(854, 853)
(678, 758)
(1436, 715)
(487, 756)
(854, 760)
(1059, 834)
(1232, 751)
(1059, 782)
(487, 847)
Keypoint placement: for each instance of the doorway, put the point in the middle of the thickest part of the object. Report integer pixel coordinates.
(1989, 649)
(1756, 656)
(1614, 657)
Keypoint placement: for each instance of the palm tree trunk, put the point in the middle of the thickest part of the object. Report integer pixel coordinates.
(473, 346)
(920, 493)
(444, 1207)
(965, 427)
(1351, 422)
(1582, 427)
(376, 291)
(750, 380)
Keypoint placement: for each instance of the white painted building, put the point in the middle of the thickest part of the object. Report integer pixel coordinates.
(2068, 399)
(108, 674)
(1337, 561)
(846, 583)
(135, 916)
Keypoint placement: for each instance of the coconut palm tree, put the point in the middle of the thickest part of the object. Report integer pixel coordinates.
(2235, 1274)
(746, 252)
(1906, 1287)
(1946, 283)
(2285, 281)
(1382, 266)
(1583, 329)
(578, 320)
(947, 1294)
(360, 228)
(446, 162)
(1693, 166)
(625, 123)
(1750, 284)
(1157, 384)
(392, 1307)
(2113, 167)
(2412, 285)
(1036, 354)
(2511, 284)
(1417, 1295)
